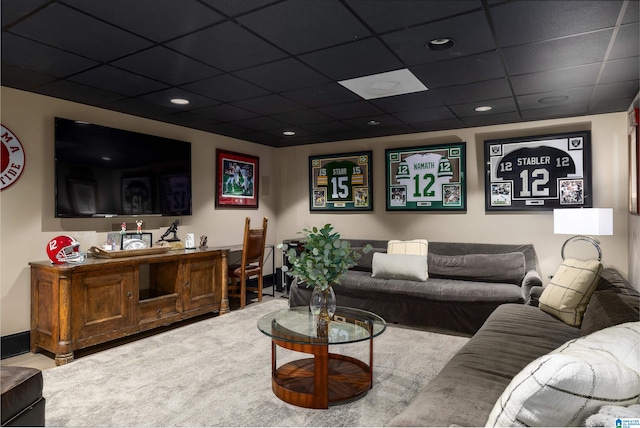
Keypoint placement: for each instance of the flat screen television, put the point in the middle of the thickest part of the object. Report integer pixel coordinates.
(107, 172)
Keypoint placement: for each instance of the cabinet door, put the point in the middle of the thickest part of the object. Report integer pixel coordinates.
(202, 287)
(104, 302)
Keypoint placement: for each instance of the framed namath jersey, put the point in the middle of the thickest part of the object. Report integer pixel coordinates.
(427, 178)
(341, 182)
(538, 173)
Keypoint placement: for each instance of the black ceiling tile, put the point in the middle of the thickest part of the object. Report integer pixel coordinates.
(158, 20)
(385, 131)
(164, 97)
(632, 14)
(236, 7)
(471, 34)
(620, 70)
(225, 113)
(284, 75)
(264, 138)
(140, 108)
(383, 121)
(166, 66)
(566, 52)
(404, 102)
(523, 22)
(269, 104)
(610, 105)
(67, 90)
(498, 106)
(473, 92)
(351, 110)
(302, 117)
(574, 96)
(384, 16)
(73, 31)
(544, 81)
(189, 120)
(425, 115)
(226, 88)
(329, 127)
(346, 135)
(30, 55)
(20, 78)
(296, 141)
(227, 46)
(492, 119)
(115, 80)
(230, 129)
(16, 9)
(568, 110)
(437, 125)
(319, 96)
(627, 43)
(302, 26)
(260, 123)
(355, 59)
(614, 90)
(469, 69)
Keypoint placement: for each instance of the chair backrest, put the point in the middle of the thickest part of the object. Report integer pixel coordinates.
(254, 242)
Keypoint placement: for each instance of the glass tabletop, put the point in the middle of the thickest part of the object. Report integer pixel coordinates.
(298, 325)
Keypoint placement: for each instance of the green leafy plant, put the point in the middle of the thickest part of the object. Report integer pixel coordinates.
(325, 258)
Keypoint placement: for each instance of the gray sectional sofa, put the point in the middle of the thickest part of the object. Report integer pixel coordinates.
(467, 282)
(466, 390)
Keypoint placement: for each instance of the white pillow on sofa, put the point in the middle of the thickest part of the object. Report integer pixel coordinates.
(571, 383)
(399, 266)
(418, 247)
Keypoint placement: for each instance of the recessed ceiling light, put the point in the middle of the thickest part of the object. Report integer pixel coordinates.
(105, 158)
(289, 133)
(373, 122)
(180, 101)
(555, 99)
(441, 43)
(483, 108)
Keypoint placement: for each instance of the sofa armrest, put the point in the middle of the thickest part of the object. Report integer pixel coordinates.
(530, 280)
(536, 292)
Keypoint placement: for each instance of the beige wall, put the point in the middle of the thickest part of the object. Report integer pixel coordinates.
(27, 220)
(609, 149)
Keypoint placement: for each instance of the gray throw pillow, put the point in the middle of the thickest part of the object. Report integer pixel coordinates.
(503, 267)
(399, 266)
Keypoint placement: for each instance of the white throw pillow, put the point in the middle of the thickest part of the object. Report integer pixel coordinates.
(419, 247)
(572, 382)
(399, 266)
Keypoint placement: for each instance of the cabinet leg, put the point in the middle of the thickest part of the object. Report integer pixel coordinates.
(62, 359)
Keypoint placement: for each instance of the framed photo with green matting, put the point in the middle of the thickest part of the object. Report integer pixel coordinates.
(428, 178)
(341, 182)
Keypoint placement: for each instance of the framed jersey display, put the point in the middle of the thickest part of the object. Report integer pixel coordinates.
(538, 173)
(340, 182)
(427, 178)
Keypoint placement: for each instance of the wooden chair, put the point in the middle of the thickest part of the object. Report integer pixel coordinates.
(250, 264)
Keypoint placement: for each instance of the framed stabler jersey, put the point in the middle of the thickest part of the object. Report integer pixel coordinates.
(538, 173)
(426, 178)
(341, 182)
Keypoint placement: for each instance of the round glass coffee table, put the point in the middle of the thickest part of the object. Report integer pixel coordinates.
(326, 378)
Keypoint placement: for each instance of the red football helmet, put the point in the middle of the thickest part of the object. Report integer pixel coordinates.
(65, 249)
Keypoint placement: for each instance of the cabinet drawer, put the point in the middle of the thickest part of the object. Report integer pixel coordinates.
(159, 307)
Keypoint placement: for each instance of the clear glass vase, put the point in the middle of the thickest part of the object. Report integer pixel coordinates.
(323, 303)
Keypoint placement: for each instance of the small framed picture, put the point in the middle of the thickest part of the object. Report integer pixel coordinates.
(236, 180)
(135, 241)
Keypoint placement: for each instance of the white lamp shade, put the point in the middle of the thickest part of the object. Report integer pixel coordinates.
(583, 221)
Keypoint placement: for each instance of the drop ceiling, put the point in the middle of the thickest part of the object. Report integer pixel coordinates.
(253, 69)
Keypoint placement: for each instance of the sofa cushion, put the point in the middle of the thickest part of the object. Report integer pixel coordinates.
(568, 293)
(608, 308)
(418, 247)
(506, 267)
(566, 386)
(399, 266)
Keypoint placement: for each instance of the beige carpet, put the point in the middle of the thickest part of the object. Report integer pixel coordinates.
(217, 372)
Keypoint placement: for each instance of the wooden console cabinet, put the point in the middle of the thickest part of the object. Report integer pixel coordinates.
(76, 306)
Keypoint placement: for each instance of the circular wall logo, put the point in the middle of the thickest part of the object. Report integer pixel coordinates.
(11, 158)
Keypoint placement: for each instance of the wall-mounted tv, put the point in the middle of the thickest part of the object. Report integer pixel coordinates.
(107, 172)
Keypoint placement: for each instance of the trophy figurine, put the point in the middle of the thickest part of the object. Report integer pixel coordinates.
(172, 229)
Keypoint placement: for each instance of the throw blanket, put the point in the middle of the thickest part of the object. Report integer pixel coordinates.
(607, 415)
